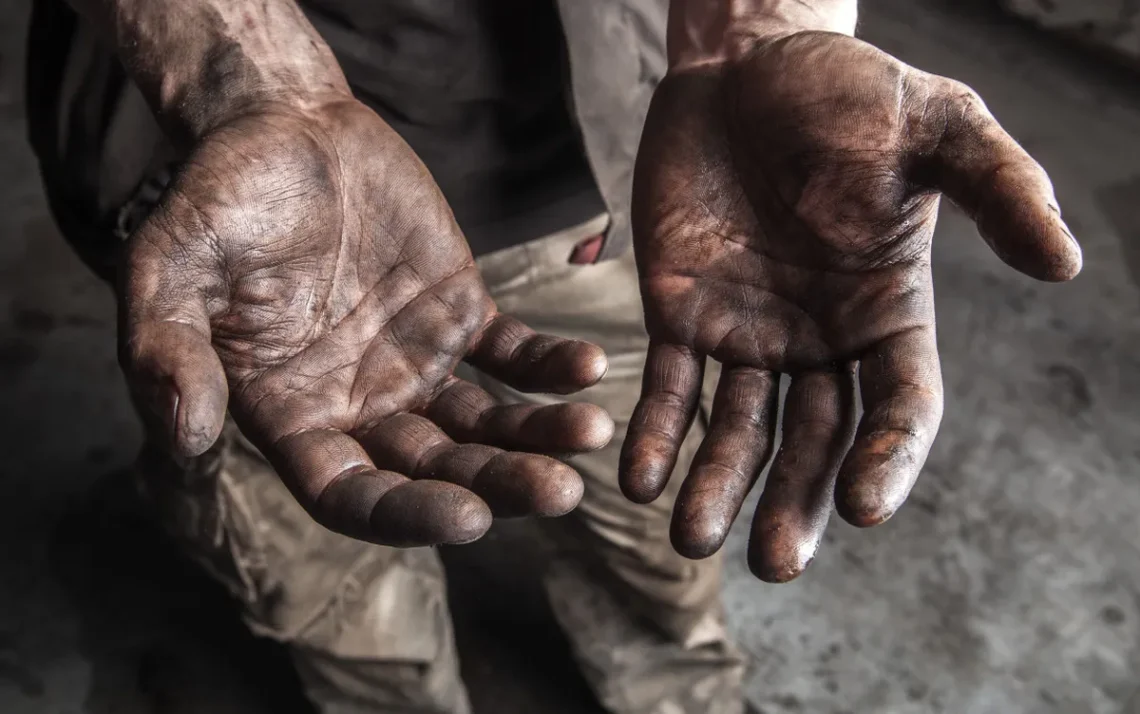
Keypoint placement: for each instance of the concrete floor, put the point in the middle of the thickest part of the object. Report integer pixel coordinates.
(1010, 584)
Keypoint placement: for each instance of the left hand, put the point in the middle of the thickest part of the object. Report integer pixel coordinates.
(784, 206)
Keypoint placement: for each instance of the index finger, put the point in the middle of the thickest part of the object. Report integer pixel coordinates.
(670, 395)
(901, 384)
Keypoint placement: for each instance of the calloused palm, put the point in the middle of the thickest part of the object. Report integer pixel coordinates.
(304, 270)
(784, 208)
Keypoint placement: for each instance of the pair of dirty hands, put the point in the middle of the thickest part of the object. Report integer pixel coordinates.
(305, 272)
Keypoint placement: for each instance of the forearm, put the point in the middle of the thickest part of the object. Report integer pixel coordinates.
(702, 31)
(199, 62)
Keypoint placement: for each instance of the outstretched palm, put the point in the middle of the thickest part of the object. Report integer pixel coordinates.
(784, 210)
(306, 259)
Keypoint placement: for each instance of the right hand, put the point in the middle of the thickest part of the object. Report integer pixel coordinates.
(304, 270)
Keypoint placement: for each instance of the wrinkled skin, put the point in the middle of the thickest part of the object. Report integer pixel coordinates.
(784, 207)
(305, 270)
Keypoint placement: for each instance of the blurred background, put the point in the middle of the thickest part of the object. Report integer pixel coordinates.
(1011, 582)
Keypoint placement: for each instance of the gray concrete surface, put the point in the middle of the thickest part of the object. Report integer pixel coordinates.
(1010, 584)
(1111, 27)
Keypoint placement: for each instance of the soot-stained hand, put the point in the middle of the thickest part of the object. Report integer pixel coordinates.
(304, 271)
(784, 206)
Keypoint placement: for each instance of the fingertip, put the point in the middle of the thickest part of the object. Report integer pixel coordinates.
(564, 494)
(1023, 226)
(641, 489)
(592, 426)
(1069, 261)
(642, 479)
(190, 442)
(877, 477)
(422, 513)
(646, 464)
(864, 517)
(1071, 269)
(697, 540)
(781, 546)
(1061, 273)
(861, 514)
(867, 502)
(1054, 260)
(639, 493)
(779, 550)
(1069, 248)
(199, 420)
(581, 364)
(703, 514)
(595, 364)
(775, 568)
(516, 485)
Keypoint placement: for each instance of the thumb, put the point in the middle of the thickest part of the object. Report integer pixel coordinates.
(982, 169)
(172, 369)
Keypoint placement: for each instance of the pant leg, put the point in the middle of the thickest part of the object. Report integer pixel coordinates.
(368, 627)
(645, 623)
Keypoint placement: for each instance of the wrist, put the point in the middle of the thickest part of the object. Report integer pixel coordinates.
(201, 63)
(715, 31)
(190, 109)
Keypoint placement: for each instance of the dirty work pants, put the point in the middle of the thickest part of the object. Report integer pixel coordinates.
(369, 627)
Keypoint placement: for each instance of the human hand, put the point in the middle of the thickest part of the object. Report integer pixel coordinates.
(784, 205)
(304, 270)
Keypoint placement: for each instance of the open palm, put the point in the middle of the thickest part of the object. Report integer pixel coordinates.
(783, 212)
(304, 270)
